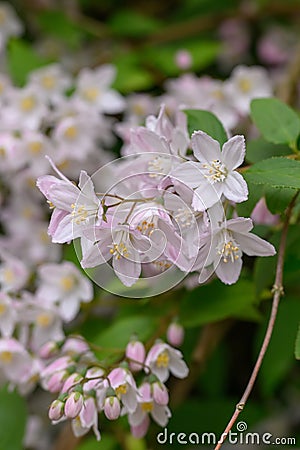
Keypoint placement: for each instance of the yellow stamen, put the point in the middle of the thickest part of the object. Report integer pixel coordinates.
(67, 283)
(163, 359)
(121, 390)
(28, 103)
(35, 147)
(6, 357)
(3, 308)
(91, 93)
(71, 132)
(147, 406)
(43, 320)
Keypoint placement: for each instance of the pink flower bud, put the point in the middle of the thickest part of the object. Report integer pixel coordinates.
(160, 393)
(56, 410)
(73, 405)
(183, 59)
(56, 381)
(175, 334)
(112, 407)
(135, 350)
(48, 350)
(71, 381)
(74, 346)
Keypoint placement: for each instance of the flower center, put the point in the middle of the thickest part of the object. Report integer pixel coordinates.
(67, 283)
(35, 147)
(163, 359)
(8, 276)
(216, 171)
(119, 250)
(162, 265)
(28, 103)
(121, 390)
(48, 81)
(3, 308)
(43, 320)
(145, 226)
(184, 216)
(91, 93)
(229, 251)
(6, 357)
(71, 132)
(245, 85)
(79, 213)
(147, 406)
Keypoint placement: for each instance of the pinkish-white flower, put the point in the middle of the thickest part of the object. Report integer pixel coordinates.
(135, 352)
(162, 360)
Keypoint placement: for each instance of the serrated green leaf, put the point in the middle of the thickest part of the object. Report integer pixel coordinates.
(255, 192)
(215, 301)
(21, 60)
(275, 172)
(277, 122)
(259, 149)
(206, 121)
(13, 420)
(278, 199)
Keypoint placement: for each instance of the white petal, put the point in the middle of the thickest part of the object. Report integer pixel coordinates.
(229, 272)
(205, 148)
(127, 271)
(207, 195)
(68, 308)
(240, 225)
(235, 187)
(233, 152)
(253, 245)
(161, 414)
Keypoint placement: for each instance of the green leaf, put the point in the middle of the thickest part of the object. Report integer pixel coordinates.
(57, 24)
(129, 23)
(255, 193)
(119, 333)
(279, 358)
(163, 58)
(215, 301)
(259, 149)
(12, 419)
(275, 172)
(131, 76)
(206, 121)
(21, 60)
(278, 199)
(277, 122)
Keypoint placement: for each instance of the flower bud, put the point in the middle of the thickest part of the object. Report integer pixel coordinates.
(175, 334)
(73, 405)
(112, 407)
(183, 59)
(48, 350)
(56, 381)
(56, 410)
(135, 350)
(71, 381)
(160, 393)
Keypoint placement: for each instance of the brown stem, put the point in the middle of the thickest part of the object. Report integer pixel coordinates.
(278, 292)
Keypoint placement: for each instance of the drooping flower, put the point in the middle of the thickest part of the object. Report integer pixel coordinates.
(163, 360)
(223, 249)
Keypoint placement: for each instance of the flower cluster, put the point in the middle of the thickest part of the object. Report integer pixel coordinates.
(166, 212)
(86, 387)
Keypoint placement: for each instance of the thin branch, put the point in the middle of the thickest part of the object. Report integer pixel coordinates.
(278, 292)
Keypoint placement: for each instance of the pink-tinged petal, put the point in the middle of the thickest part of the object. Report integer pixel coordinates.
(137, 417)
(188, 173)
(130, 399)
(57, 216)
(205, 274)
(78, 429)
(207, 195)
(205, 148)
(64, 231)
(63, 195)
(161, 414)
(233, 152)
(235, 187)
(45, 182)
(253, 245)
(145, 140)
(88, 413)
(97, 254)
(162, 373)
(229, 272)
(126, 270)
(86, 290)
(239, 225)
(140, 430)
